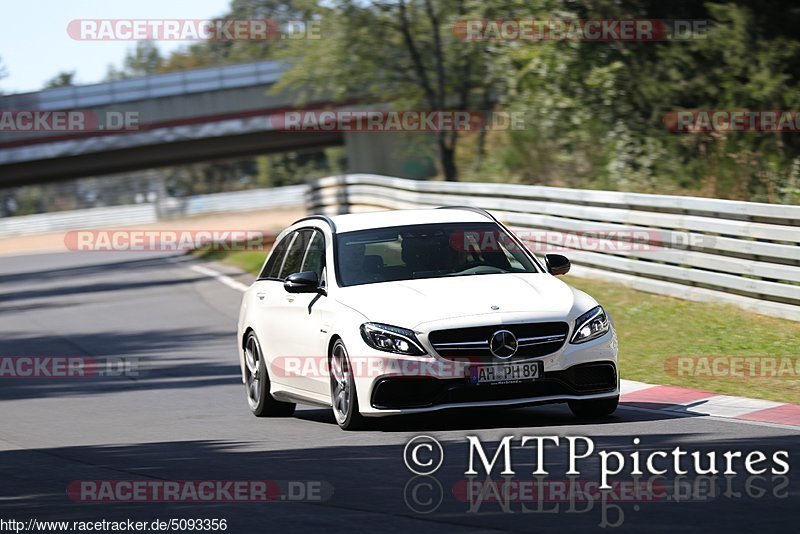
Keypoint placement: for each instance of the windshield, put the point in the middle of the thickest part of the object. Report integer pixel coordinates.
(427, 251)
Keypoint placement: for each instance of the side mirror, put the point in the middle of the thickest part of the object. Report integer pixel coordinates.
(304, 282)
(557, 264)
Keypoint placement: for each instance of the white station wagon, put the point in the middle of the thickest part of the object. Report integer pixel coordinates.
(411, 311)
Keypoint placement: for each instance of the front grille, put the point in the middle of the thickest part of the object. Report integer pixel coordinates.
(472, 343)
(590, 376)
(594, 377)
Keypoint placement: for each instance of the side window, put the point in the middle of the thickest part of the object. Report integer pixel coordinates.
(294, 257)
(315, 255)
(273, 266)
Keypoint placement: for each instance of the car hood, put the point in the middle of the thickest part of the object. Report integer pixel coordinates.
(411, 303)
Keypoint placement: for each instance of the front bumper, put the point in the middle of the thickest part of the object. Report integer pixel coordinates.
(399, 393)
(584, 371)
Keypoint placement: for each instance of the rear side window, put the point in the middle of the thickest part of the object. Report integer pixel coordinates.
(273, 266)
(297, 250)
(315, 256)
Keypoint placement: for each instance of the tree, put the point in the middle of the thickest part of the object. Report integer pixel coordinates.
(221, 52)
(62, 79)
(144, 59)
(596, 110)
(407, 54)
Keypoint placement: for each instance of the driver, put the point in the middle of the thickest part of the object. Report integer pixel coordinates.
(456, 257)
(352, 263)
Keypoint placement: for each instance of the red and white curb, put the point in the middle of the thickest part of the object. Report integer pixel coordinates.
(687, 401)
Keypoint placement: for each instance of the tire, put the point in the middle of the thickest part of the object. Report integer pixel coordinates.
(593, 409)
(256, 385)
(344, 398)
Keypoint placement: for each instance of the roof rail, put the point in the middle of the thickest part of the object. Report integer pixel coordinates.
(325, 218)
(479, 211)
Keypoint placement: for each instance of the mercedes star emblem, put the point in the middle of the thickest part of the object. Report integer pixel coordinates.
(503, 344)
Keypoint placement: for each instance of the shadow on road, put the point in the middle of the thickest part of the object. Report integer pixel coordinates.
(484, 418)
(164, 359)
(115, 264)
(373, 489)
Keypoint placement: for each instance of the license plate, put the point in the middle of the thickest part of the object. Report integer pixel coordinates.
(509, 373)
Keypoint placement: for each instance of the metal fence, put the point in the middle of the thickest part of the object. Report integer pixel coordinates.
(252, 199)
(258, 199)
(741, 253)
(75, 219)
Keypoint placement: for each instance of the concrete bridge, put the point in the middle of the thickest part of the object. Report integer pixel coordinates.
(175, 118)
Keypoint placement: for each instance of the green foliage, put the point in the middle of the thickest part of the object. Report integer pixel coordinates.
(143, 59)
(250, 261)
(405, 54)
(294, 168)
(215, 52)
(62, 79)
(594, 111)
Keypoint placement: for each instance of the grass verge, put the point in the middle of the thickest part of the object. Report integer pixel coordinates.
(247, 260)
(653, 329)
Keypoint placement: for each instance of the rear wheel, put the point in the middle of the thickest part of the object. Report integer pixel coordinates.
(592, 409)
(344, 398)
(256, 383)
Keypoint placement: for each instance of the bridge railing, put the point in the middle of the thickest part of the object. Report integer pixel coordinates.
(741, 253)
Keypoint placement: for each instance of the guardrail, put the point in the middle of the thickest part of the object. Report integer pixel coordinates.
(251, 199)
(74, 219)
(112, 216)
(741, 253)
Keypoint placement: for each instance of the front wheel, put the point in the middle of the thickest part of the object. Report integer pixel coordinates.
(343, 389)
(592, 409)
(262, 404)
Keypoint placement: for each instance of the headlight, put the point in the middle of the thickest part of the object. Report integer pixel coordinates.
(391, 339)
(590, 325)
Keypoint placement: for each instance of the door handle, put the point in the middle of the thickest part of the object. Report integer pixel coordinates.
(261, 296)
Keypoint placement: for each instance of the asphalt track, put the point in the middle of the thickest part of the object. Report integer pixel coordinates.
(184, 417)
